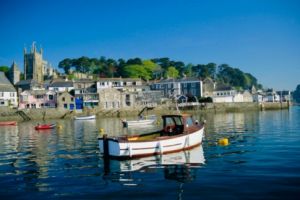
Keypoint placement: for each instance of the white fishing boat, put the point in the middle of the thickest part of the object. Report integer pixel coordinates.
(140, 122)
(180, 132)
(85, 117)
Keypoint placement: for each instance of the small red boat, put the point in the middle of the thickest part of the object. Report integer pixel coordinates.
(8, 123)
(45, 126)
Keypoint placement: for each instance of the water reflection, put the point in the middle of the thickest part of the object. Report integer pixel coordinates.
(179, 166)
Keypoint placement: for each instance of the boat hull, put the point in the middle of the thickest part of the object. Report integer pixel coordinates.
(8, 123)
(162, 145)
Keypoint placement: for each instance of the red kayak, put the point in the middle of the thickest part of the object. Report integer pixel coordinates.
(45, 126)
(8, 123)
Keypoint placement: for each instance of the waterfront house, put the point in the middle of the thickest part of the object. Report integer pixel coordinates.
(111, 98)
(61, 86)
(8, 94)
(226, 94)
(65, 101)
(284, 95)
(129, 84)
(271, 96)
(37, 99)
(85, 92)
(176, 87)
(247, 96)
(208, 87)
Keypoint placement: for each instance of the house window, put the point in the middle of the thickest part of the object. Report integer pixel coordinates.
(51, 97)
(63, 99)
(66, 106)
(39, 96)
(2, 102)
(33, 105)
(12, 94)
(1, 94)
(72, 99)
(79, 86)
(127, 100)
(133, 83)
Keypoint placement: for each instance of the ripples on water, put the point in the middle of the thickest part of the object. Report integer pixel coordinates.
(261, 162)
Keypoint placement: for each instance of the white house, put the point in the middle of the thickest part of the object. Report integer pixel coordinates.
(8, 94)
(61, 86)
(226, 94)
(119, 83)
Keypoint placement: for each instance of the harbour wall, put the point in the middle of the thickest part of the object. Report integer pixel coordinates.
(7, 114)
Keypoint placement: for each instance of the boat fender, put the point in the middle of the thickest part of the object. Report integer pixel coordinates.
(223, 142)
(129, 150)
(101, 132)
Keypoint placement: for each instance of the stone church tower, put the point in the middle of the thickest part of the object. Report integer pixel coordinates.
(14, 73)
(33, 64)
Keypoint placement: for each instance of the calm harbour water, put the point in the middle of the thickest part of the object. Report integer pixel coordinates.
(261, 162)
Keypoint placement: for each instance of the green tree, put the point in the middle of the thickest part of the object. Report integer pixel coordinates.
(172, 72)
(136, 71)
(66, 64)
(4, 69)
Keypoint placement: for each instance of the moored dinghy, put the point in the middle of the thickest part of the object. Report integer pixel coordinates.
(8, 123)
(148, 120)
(179, 132)
(85, 117)
(45, 126)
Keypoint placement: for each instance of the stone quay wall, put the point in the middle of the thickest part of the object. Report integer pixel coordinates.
(7, 114)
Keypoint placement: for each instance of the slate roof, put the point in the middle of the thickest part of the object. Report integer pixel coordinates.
(62, 84)
(5, 85)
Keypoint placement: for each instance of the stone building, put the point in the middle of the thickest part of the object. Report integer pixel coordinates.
(65, 101)
(33, 64)
(208, 87)
(14, 73)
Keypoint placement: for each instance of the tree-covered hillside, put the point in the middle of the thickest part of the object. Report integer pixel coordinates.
(157, 68)
(296, 94)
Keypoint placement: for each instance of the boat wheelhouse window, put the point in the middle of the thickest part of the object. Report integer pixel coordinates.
(169, 121)
(178, 120)
(189, 121)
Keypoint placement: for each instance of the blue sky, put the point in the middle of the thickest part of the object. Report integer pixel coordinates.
(260, 37)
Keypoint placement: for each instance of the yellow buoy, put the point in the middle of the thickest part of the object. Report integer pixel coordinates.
(223, 141)
(101, 132)
(59, 126)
